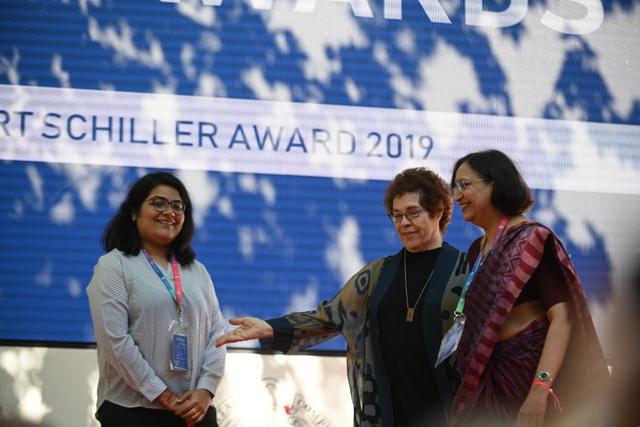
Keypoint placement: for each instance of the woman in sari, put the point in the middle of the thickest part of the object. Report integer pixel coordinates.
(391, 313)
(528, 338)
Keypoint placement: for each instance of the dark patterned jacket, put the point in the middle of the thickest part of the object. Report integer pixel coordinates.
(353, 312)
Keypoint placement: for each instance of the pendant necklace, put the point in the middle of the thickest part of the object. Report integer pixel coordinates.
(411, 310)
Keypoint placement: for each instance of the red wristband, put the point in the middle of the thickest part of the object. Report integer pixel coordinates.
(548, 386)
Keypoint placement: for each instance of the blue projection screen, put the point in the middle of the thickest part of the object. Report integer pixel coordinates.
(287, 119)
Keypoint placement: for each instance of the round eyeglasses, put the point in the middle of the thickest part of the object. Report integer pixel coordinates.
(161, 204)
(463, 184)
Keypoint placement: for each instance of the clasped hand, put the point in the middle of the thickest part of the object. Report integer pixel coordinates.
(190, 406)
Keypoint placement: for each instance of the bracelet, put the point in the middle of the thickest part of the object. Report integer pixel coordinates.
(543, 376)
(544, 384)
(547, 385)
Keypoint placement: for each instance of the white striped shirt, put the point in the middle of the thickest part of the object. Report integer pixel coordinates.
(132, 312)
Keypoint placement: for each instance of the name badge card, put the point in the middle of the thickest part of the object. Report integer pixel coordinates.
(450, 341)
(179, 347)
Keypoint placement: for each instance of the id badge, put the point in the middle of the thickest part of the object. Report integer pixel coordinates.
(451, 339)
(179, 347)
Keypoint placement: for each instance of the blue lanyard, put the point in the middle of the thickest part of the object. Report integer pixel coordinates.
(177, 297)
(479, 261)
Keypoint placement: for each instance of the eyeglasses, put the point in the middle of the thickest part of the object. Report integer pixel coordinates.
(411, 214)
(161, 204)
(463, 184)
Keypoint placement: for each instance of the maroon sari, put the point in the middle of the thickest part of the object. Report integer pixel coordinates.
(496, 376)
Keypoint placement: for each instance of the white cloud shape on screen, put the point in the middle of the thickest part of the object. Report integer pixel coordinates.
(84, 5)
(268, 191)
(331, 26)
(262, 89)
(63, 211)
(248, 183)
(37, 185)
(225, 207)
(44, 278)
(202, 191)
(617, 47)
(74, 287)
(187, 54)
(121, 41)
(343, 255)
(210, 85)
(303, 301)
(10, 67)
(194, 10)
(447, 79)
(58, 72)
(86, 180)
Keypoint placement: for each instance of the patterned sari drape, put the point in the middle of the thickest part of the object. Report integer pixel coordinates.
(496, 376)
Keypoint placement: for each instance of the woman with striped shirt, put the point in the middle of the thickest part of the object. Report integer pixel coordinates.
(155, 314)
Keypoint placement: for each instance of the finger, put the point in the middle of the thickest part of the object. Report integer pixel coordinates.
(201, 417)
(186, 395)
(190, 421)
(195, 413)
(182, 400)
(190, 413)
(182, 410)
(238, 320)
(185, 411)
(240, 334)
(226, 339)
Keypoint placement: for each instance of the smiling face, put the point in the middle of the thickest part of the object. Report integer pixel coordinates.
(421, 233)
(475, 199)
(158, 229)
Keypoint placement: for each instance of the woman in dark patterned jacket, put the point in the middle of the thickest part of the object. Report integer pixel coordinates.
(392, 314)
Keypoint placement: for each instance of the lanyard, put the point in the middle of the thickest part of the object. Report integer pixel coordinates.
(177, 295)
(479, 260)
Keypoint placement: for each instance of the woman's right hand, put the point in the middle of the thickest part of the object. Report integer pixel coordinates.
(167, 399)
(249, 328)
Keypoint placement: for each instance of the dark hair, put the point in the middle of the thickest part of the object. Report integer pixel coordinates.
(121, 232)
(510, 195)
(434, 192)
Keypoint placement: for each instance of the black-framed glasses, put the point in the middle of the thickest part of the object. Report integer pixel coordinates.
(411, 214)
(161, 204)
(463, 184)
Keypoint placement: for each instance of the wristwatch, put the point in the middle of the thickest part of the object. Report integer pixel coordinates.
(543, 376)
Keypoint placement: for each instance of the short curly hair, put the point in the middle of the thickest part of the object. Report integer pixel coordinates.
(435, 195)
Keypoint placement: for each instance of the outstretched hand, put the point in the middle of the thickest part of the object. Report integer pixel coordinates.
(249, 328)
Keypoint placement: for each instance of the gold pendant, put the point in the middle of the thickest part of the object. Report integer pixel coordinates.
(410, 314)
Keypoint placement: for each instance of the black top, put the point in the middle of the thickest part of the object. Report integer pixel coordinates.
(415, 398)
